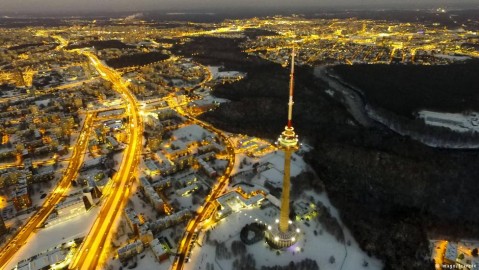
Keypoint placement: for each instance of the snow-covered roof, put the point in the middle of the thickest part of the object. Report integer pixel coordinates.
(451, 251)
(191, 133)
(43, 260)
(273, 175)
(158, 248)
(275, 201)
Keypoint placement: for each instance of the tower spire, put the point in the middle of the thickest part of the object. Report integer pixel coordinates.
(291, 90)
(286, 233)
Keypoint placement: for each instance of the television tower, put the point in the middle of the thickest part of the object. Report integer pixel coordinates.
(286, 233)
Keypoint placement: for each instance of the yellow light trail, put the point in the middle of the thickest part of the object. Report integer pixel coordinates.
(94, 246)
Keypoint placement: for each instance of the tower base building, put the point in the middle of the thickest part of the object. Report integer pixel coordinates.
(278, 239)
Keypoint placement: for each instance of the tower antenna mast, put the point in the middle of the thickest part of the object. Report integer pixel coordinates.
(291, 90)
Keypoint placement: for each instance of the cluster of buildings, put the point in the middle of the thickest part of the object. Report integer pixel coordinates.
(35, 133)
(179, 156)
(253, 147)
(350, 41)
(158, 79)
(147, 234)
(23, 54)
(461, 254)
(18, 180)
(35, 127)
(188, 146)
(108, 137)
(178, 153)
(37, 124)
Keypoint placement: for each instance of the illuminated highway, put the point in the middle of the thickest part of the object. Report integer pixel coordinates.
(94, 248)
(19, 239)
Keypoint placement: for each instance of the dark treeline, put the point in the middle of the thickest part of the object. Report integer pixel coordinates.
(24, 46)
(100, 45)
(138, 59)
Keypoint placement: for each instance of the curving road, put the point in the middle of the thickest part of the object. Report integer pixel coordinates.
(92, 251)
(208, 207)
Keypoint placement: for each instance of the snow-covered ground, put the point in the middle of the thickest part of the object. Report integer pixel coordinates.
(57, 234)
(319, 247)
(455, 121)
(315, 243)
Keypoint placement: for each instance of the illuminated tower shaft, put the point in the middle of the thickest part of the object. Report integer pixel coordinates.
(284, 215)
(288, 142)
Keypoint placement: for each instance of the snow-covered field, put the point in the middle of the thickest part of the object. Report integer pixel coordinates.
(318, 247)
(52, 236)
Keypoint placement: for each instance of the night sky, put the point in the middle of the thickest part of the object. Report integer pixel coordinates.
(137, 5)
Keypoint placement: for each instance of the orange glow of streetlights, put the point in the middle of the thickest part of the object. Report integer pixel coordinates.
(3, 202)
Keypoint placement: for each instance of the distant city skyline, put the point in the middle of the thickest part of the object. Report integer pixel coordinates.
(140, 5)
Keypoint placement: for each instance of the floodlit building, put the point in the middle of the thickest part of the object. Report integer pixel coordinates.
(112, 142)
(58, 257)
(186, 180)
(304, 210)
(234, 201)
(72, 207)
(151, 167)
(458, 255)
(186, 190)
(146, 235)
